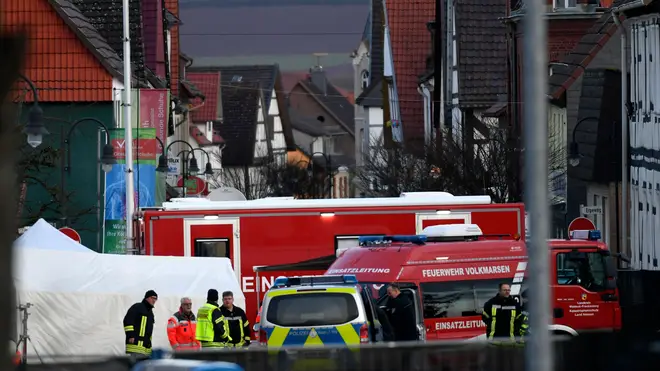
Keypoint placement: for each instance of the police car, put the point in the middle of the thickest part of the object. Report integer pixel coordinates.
(318, 310)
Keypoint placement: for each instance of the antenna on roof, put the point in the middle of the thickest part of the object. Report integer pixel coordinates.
(318, 59)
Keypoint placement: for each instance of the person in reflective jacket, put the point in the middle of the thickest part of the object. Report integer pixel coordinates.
(139, 325)
(212, 331)
(181, 327)
(237, 322)
(524, 318)
(502, 315)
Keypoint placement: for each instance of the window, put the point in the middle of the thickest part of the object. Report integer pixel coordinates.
(582, 269)
(322, 309)
(563, 4)
(456, 299)
(215, 248)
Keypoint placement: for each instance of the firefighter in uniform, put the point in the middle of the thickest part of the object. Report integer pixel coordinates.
(181, 327)
(502, 316)
(212, 331)
(237, 322)
(139, 325)
(524, 319)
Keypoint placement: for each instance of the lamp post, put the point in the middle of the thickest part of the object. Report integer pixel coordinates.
(328, 166)
(107, 157)
(574, 150)
(35, 128)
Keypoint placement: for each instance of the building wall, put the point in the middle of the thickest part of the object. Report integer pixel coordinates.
(85, 182)
(360, 64)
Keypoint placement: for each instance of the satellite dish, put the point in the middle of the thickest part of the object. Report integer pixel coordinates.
(226, 194)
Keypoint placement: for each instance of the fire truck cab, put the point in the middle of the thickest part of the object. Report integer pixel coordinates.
(450, 271)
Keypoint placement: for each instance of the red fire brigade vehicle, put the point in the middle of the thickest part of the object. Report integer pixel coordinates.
(450, 271)
(274, 231)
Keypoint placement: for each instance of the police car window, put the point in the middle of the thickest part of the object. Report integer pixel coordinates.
(322, 309)
(456, 299)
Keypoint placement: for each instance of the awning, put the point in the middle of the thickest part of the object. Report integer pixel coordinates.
(316, 264)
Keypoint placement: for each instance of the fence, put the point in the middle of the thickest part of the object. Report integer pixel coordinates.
(603, 352)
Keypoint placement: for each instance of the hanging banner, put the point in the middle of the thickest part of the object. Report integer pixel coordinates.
(153, 114)
(145, 148)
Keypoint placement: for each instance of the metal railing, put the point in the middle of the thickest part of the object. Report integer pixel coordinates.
(603, 352)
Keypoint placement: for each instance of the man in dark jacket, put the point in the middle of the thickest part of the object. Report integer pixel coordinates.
(401, 312)
(237, 322)
(139, 325)
(502, 315)
(212, 330)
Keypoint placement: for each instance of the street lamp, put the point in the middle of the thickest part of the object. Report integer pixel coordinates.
(574, 151)
(208, 169)
(35, 128)
(107, 155)
(163, 161)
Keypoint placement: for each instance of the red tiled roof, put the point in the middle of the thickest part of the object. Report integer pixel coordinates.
(198, 136)
(209, 84)
(411, 43)
(290, 79)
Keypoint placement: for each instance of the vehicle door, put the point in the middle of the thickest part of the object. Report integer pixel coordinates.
(412, 293)
(375, 327)
(584, 288)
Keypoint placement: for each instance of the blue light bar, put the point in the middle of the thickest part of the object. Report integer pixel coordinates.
(281, 281)
(589, 235)
(314, 280)
(416, 239)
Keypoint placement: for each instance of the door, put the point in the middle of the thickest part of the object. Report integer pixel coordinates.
(213, 238)
(583, 300)
(441, 218)
(412, 294)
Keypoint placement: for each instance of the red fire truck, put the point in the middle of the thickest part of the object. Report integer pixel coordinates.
(275, 231)
(450, 271)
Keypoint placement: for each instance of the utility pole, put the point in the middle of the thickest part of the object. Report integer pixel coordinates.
(128, 128)
(538, 353)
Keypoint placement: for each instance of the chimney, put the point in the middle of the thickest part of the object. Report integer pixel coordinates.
(317, 74)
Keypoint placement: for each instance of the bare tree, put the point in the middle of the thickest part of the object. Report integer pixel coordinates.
(454, 168)
(269, 178)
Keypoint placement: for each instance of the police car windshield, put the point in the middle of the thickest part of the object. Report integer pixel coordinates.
(317, 309)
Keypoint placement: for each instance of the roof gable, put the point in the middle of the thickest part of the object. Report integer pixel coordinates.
(240, 102)
(90, 37)
(209, 84)
(333, 102)
(410, 43)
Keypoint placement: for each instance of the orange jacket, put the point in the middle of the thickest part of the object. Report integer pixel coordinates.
(181, 331)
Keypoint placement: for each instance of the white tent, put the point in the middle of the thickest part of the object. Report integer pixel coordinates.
(79, 299)
(44, 236)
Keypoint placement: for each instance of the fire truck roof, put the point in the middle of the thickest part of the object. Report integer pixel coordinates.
(406, 199)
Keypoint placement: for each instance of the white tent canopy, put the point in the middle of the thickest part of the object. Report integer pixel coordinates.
(79, 299)
(44, 236)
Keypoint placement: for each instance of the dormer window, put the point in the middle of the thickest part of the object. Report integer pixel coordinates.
(564, 4)
(365, 79)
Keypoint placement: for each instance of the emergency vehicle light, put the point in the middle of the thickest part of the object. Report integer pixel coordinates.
(375, 240)
(452, 230)
(589, 235)
(314, 280)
